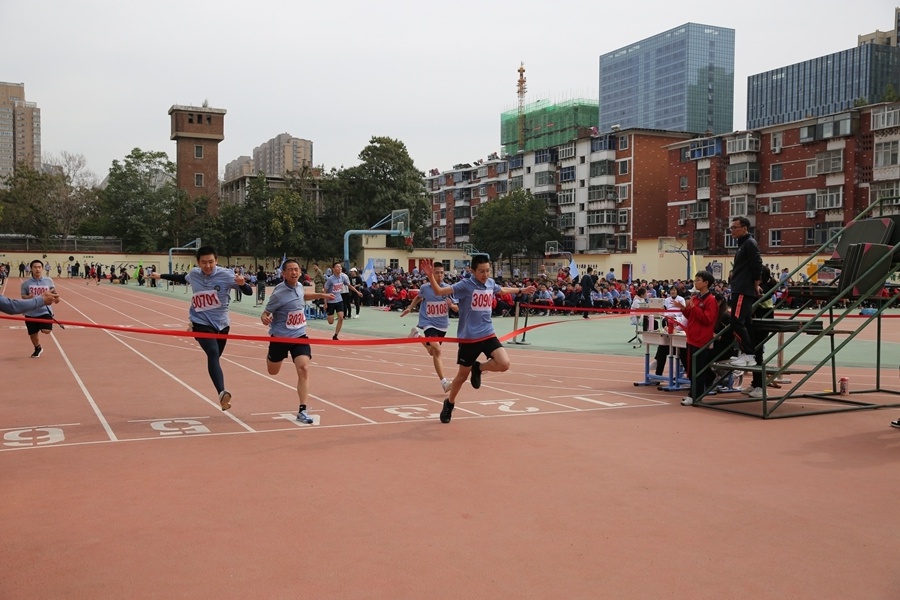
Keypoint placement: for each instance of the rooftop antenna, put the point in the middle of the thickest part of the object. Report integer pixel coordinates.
(521, 93)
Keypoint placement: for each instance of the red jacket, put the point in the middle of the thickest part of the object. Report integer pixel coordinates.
(702, 314)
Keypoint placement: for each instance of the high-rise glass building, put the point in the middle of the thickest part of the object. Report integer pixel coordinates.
(678, 80)
(823, 86)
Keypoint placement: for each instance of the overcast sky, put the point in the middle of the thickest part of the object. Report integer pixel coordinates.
(435, 75)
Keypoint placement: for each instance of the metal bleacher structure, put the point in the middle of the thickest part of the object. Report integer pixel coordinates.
(867, 252)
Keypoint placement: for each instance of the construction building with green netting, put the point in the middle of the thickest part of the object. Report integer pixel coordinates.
(547, 124)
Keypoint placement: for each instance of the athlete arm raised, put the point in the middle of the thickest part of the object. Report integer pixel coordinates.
(428, 269)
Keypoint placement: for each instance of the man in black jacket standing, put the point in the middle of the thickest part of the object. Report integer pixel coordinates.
(587, 286)
(745, 279)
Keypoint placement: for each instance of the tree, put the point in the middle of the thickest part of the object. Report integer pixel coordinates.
(890, 94)
(292, 221)
(28, 203)
(78, 194)
(517, 223)
(386, 180)
(139, 201)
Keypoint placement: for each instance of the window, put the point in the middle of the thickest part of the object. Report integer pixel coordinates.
(602, 217)
(702, 178)
(683, 183)
(623, 191)
(566, 197)
(198, 179)
(890, 190)
(516, 162)
(461, 229)
(545, 178)
(705, 148)
(807, 134)
(436, 216)
(567, 151)
(683, 213)
(440, 232)
(483, 190)
(209, 119)
(811, 168)
(700, 210)
(743, 173)
(775, 172)
(190, 117)
(567, 174)
(623, 167)
(623, 217)
(482, 172)
(774, 237)
(461, 212)
(885, 118)
(623, 142)
(730, 242)
(602, 167)
(602, 192)
(744, 143)
(198, 151)
(515, 183)
(777, 139)
(829, 162)
(831, 197)
(501, 187)
(544, 155)
(566, 220)
(886, 154)
(775, 205)
(741, 206)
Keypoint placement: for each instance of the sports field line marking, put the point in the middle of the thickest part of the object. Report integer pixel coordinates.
(520, 395)
(84, 390)
(393, 406)
(39, 426)
(168, 374)
(313, 396)
(402, 391)
(162, 419)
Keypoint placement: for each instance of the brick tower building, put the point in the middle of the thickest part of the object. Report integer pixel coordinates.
(197, 131)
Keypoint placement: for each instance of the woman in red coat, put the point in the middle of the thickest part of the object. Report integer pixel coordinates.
(702, 313)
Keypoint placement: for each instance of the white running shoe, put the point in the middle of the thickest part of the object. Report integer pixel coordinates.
(756, 393)
(746, 391)
(687, 401)
(743, 360)
(415, 332)
(446, 384)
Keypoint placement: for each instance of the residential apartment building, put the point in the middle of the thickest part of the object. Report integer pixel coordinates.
(884, 38)
(20, 129)
(678, 80)
(283, 154)
(798, 182)
(456, 195)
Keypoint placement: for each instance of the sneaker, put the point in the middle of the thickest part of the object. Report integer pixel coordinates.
(225, 399)
(746, 390)
(687, 401)
(743, 360)
(334, 337)
(447, 411)
(652, 365)
(446, 384)
(302, 416)
(756, 393)
(896, 423)
(476, 375)
(37, 352)
(415, 332)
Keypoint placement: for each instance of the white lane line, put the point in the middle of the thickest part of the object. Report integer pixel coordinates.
(163, 419)
(402, 391)
(512, 393)
(313, 396)
(39, 426)
(165, 372)
(84, 390)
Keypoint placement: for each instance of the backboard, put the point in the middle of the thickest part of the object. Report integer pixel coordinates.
(400, 221)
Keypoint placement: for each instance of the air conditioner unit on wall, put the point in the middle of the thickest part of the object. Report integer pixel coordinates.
(764, 208)
(681, 221)
(810, 214)
(776, 150)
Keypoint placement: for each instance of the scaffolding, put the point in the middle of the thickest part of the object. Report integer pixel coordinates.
(547, 124)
